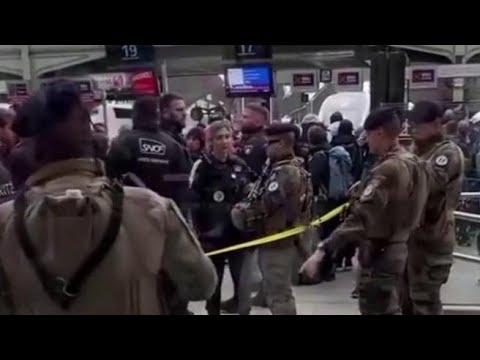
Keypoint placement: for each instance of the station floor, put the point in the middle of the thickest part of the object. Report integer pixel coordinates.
(334, 298)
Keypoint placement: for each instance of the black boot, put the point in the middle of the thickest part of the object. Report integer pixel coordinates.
(230, 306)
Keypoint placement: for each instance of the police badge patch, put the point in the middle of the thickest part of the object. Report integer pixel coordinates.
(219, 196)
(441, 161)
(248, 150)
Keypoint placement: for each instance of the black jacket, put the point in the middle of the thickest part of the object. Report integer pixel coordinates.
(319, 167)
(253, 151)
(174, 132)
(350, 144)
(158, 160)
(216, 187)
(195, 156)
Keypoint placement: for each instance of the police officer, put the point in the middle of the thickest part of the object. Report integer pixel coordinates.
(431, 247)
(283, 200)
(381, 221)
(105, 245)
(153, 156)
(219, 180)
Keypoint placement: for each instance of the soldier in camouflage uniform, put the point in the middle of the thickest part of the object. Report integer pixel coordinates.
(281, 200)
(382, 220)
(431, 247)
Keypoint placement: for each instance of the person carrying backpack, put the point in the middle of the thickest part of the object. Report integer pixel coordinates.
(330, 169)
(74, 242)
(347, 140)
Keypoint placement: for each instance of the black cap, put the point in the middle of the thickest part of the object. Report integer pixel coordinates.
(380, 118)
(425, 112)
(280, 129)
(336, 117)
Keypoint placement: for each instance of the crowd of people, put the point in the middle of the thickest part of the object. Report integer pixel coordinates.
(91, 225)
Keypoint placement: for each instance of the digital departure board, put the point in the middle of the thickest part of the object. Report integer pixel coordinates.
(249, 80)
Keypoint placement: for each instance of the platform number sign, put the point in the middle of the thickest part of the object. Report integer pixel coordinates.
(125, 54)
(253, 51)
(246, 50)
(129, 52)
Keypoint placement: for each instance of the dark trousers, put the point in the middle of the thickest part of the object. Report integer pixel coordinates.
(240, 263)
(347, 253)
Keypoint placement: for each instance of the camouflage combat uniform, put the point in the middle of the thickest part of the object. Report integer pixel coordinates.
(432, 245)
(285, 199)
(381, 221)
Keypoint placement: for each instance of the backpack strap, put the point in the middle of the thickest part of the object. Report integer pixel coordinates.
(60, 290)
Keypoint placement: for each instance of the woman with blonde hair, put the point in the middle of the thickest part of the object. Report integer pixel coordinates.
(218, 181)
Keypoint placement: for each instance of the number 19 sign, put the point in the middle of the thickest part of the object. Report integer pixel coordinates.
(130, 53)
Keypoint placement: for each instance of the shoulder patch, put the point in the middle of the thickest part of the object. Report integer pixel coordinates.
(370, 190)
(273, 186)
(441, 161)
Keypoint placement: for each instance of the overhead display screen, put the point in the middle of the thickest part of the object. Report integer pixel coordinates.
(249, 80)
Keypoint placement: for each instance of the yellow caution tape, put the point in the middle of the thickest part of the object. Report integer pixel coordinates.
(283, 235)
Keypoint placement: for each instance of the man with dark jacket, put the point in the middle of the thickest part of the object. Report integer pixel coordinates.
(173, 111)
(151, 155)
(254, 142)
(157, 159)
(346, 139)
(253, 151)
(318, 165)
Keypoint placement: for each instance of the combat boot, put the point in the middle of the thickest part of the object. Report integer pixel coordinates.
(259, 300)
(230, 306)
